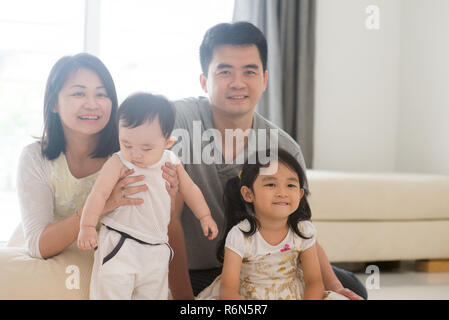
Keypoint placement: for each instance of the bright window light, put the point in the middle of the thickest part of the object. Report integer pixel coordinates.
(154, 45)
(147, 45)
(33, 38)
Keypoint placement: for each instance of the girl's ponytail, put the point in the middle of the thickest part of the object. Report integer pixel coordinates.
(236, 210)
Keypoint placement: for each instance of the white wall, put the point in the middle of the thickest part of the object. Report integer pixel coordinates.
(423, 127)
(382, 97)
(357, 93)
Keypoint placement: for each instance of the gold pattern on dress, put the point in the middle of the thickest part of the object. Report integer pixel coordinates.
(276, 276)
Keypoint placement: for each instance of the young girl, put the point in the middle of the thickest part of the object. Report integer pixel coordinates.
(133, 251)
(268, 250)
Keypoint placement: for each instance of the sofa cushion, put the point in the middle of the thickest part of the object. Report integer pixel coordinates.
(337, 196)
(363, 241)
(64, 276)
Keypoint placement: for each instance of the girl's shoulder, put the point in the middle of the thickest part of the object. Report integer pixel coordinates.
(238, 231)
(243, 226)
(237, 241)
(307, 228)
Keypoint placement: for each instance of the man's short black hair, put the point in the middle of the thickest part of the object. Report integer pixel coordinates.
(144, 107)
(237, 33)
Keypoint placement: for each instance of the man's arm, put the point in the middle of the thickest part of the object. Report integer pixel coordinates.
(178, 276)
(330, 280)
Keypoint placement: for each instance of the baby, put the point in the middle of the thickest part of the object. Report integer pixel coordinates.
(133, 254)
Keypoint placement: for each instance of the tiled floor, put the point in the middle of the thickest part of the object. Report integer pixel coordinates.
(404, 283)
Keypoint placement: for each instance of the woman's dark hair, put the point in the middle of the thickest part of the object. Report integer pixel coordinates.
(237, 209)
(144, 107)
(237, 34)
(53, 141)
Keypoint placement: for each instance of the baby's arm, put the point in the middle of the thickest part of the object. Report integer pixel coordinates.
(195, 200)
(103, 186)
(230, 276)
(312, 274)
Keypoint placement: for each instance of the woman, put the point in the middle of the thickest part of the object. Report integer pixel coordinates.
(55, 174)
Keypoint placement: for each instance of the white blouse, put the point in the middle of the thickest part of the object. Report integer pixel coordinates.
(47, 193)
(238, 242)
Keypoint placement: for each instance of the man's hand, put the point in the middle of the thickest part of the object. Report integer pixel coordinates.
(348, 293)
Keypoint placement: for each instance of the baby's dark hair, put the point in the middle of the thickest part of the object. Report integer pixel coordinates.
(142, 107)
(237, 209)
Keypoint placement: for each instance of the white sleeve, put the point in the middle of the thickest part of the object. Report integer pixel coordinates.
(235, 241)
(35, 194)
(307, 229)
(172, 157)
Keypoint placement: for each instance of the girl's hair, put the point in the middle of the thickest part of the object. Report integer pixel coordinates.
(53, 141)
(237, 209)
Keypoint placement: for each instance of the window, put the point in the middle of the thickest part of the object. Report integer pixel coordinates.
(154, 45)
(32, 39)
(147, 45)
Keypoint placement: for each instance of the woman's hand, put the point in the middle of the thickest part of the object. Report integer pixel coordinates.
(118, 195)
(170, 174)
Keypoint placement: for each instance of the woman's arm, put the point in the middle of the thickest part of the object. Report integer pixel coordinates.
(312, 274)
(59, 235)
(230, 276)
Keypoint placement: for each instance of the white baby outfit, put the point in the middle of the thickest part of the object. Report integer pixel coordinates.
(133, 254)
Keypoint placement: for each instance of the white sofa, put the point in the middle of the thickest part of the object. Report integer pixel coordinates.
(359, 217)
(363, 217)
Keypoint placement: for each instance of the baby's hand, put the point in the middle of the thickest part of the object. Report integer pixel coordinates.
(208, 223)
(87, 238)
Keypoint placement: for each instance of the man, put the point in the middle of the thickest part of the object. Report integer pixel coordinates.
(233, 60)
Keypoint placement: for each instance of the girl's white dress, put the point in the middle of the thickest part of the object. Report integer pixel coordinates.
(268, 272)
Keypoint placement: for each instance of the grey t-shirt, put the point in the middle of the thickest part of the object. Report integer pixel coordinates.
(192, 114)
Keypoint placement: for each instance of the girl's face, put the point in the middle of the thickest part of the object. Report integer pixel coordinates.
(275, 196)
(83, 104)
(143, 145)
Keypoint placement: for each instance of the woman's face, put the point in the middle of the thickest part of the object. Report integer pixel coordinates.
(83, 104)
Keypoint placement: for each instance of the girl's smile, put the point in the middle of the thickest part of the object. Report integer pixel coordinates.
(275, 196)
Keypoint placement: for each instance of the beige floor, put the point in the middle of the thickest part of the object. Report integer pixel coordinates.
(404, 283)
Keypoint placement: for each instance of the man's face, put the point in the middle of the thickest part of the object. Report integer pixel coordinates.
(235, 80)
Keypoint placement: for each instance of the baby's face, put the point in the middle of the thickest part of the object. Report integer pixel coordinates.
(144, 145)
